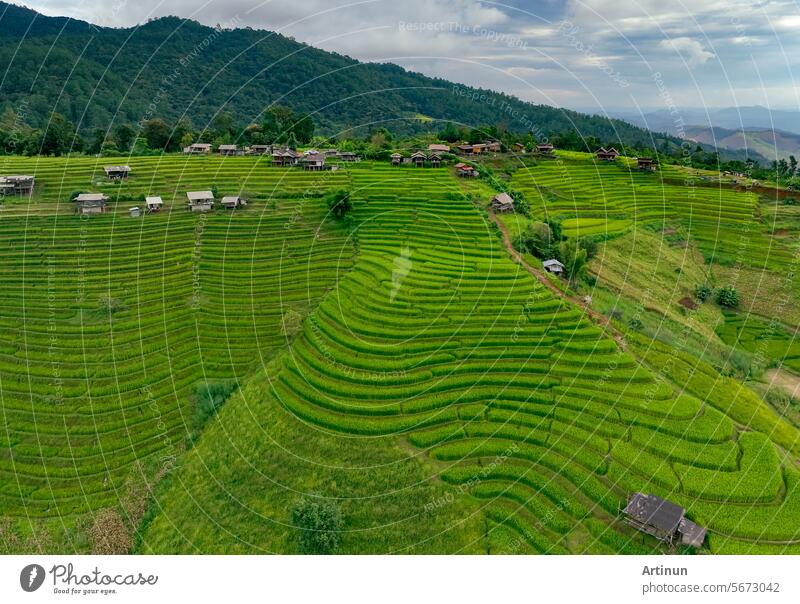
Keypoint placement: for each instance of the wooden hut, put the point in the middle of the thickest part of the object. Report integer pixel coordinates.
(493, 147)
(197, 149)
(438, 148)
(153, 204)
(284, 157)
(231, 202)
(545, 149)
(117, 172)
(662, 519)
(19, 184)
(435, 159)
(228, 150)
(604, 154)
(348, 156)
(645, 164)
(91, 203)
(135, 212)
(466, 171)
(418, 159)
(553, 266)
(259, 149)
(314, 161)
(503, 202)
(200, 201)
(397, 159)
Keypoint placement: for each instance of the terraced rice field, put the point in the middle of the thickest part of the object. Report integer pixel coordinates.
(109, 324)
(522, 406)
(600, 198)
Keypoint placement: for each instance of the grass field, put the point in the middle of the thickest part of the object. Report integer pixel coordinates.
(408, 370)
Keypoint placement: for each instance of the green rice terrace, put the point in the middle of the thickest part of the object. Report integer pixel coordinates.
(195, 375)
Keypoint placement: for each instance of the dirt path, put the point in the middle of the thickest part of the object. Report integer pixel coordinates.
(789, 382)
(599, 319)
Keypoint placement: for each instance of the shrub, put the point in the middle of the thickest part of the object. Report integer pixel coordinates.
(320, 523)
(703, 292)
(339, 203)
(728, 297)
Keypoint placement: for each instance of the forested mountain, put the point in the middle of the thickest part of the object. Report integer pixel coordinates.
(170, 67)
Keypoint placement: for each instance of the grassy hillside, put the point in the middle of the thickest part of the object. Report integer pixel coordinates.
(435, 339)
(405, 369)
(113, 329)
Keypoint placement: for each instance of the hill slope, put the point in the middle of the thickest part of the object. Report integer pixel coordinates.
(170, 67)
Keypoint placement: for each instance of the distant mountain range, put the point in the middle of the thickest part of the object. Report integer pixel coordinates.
(730, 118)
(771, 144)
(171, 67)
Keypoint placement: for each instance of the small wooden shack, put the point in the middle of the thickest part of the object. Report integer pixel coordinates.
(645, 164)
(284, 157)
(135, 212)
(435, 159)
(227, 150)
(313, 161)
(418, 159)
(438, 148)
(466, 171)
(397, 159)
(231, 202)
(518, 148)
(197, 149)
(153, 204)
(493, 146)
(553, 266)
(545, 149)
(91, 203)
(259, 149)
(19, 184)
(348, 156)
(604, 154)
(662, 519)
(503, 202)
(200, 201)
(117, 172)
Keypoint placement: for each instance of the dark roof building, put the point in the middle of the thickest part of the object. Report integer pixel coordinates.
(662, 519)
(117, 172)
(645, 163)
(604, 154)
(19, 184)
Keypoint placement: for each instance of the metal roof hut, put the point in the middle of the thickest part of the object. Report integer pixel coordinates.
(503, 202)
(466, 171)
(197, 148)
(553, 266)
(153, 204)
(645, 164)
(91, 203)
(230, 150)
(259, 149)
(200, 201)
(117, 172)
(135, 212)
(231, 202)
(662, 519)
(19, 184)
(347, 156)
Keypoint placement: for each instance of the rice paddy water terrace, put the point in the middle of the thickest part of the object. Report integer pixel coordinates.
(526, 410)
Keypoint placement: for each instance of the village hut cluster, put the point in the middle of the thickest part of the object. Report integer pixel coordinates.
(663, 520)
(312, 160)
(227, 150)
(17, 184)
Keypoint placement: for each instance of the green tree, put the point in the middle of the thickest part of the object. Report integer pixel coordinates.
(124, 134)
(57, 138)
(320, 523)
(157, 133)
(728, 296)
(339, 203)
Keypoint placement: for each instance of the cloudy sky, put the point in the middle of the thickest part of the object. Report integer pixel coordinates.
(590, 54)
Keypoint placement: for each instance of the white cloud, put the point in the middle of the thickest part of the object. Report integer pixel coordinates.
(690, 50)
